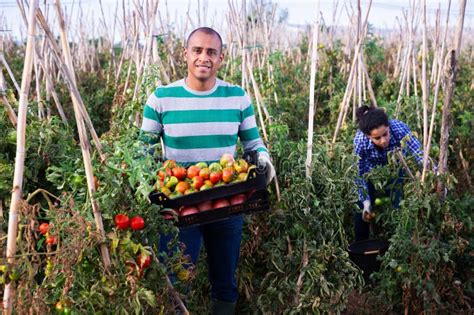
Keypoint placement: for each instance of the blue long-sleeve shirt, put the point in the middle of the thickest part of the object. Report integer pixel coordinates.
(371, 156)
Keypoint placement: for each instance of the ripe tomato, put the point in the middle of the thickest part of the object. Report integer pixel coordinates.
(220, 203)
(204, 173)
(193, 171)
(189, 210)
(170, 164)
(226, 160)
(227, 174)
(51, 240)
(181, 187)
(197, 182)
(205, 205)
(237, 199)
(137, 223)
(179, 172)
(143, 261)
(215, 177)
(122, 221)
(43, 228)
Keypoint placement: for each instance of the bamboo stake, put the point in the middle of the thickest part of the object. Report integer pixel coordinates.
(20, 154)
(70, 80)
(312, 83)
(424, 82)
(10, 72)
(426, 151)
(345, 103)
(85, 146)
(10, 111)
(446, 117)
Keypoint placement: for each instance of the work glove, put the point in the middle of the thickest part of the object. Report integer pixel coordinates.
(264, 164)
(366, 213)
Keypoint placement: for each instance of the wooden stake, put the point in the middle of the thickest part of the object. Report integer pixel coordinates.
(17, 189)
(312, 83)
(84, 141)
(451, 82)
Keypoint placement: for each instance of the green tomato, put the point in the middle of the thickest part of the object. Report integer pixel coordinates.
(378, 201)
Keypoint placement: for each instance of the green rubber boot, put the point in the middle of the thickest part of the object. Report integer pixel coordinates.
(222, 308)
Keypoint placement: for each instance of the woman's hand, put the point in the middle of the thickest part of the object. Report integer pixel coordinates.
(367, 212)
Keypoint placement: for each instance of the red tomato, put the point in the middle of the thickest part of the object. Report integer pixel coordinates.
(215, 177)
(137, 223)
(51, 240)
(197, 182)
(205, 205)
(179, 172)
(227, 174)
(121, 221)
(143, 261)
(237, 199)
(181, 187)
(220, 203)
(204, 173)
(189, 210)
(43, 228)
(193, 171)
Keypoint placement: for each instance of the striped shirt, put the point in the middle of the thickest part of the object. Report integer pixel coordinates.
(200, 125)
(370, 156)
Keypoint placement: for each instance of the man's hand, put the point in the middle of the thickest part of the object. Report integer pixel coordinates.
(265, 163)
(367, 212)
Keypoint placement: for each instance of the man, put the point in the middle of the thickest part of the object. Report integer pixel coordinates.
(200, 118)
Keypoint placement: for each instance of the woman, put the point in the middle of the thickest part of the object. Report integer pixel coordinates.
(377, 135)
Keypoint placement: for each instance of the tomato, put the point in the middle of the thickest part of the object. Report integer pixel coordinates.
(237, 199)
(205, 205)
(51, 240)
(197, 182)
(378, 202)
(215, 177)
(215, 167)
(189, 210)
(193, 171)
(122, 222)
(241, 166)
(227, 174)
(204, 173)
(143, 261)
(137, 223)
(181, 187)
(43, 228)
(220, 203)
(66, 311)
(171, 181)
(170, 164)
(226, 160)
(179, 172)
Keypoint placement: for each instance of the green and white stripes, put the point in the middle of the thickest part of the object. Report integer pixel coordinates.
(201, 126)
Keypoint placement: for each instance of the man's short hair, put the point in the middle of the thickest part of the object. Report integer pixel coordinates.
(205, 30)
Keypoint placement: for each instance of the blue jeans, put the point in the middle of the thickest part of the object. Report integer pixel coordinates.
(394, 191)
(222, 244)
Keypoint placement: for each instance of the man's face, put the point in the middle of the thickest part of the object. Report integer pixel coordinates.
(203, 56)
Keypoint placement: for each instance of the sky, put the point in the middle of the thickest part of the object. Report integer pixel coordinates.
(300, 12)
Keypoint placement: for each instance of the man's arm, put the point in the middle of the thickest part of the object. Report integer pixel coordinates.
(152, 127)
(251, 140)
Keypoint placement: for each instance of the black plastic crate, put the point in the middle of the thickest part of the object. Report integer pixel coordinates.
(256, 180)
(256, 202)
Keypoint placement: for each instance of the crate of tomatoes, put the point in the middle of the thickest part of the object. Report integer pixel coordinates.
(203, 193)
